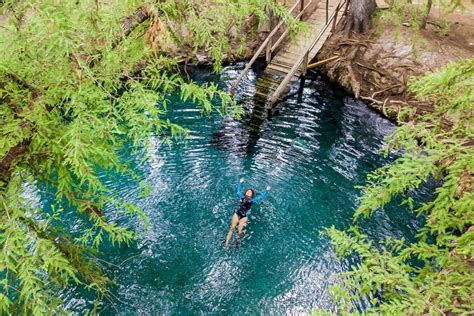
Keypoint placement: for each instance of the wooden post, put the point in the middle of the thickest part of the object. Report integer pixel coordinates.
(268, 51)
(335, 18)
(327, 14)
(301, 8)
(269, 111)
(346, 8)
(304, 66)
(301, 89)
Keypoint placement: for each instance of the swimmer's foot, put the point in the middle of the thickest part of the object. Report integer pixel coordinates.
(237, 243)
(226, 245)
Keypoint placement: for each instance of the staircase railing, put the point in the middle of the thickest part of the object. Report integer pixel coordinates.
(287, 31)
(267, 44)
(303, 59)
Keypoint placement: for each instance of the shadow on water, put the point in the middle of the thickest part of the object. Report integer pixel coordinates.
(249, 126)
(240, 136)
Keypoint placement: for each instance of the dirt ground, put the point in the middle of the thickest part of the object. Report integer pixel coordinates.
(376, 66)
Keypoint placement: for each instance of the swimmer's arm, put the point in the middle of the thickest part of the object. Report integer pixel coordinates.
(239, 188)
(262, 195)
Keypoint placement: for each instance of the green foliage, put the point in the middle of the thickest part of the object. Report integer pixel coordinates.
(414, 15)
(434, 146)
(222, 20)
(400, 11)
(78, 85)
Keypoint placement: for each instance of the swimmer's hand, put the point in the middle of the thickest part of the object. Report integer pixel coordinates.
(268, 188)
(241, 180)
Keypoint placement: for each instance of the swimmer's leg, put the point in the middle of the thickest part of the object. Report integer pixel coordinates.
(233, 223)
(240, 229)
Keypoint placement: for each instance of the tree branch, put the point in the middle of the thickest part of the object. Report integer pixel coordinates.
(7, 162)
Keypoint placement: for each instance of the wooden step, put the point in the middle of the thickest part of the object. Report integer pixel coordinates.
(287, 62)
(284, 62)
(292, 55)
(283, 70)
(278, 68)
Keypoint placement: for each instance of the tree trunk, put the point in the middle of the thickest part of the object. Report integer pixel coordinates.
(426, 13)
(359, 15)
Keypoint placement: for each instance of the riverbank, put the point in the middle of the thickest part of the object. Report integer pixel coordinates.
(376, 66)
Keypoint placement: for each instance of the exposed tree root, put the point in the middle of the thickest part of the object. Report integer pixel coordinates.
(386, 89)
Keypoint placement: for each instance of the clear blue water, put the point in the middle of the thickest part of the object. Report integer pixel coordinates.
(319, 144)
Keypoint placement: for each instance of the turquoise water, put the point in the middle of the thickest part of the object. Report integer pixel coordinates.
(318, 145)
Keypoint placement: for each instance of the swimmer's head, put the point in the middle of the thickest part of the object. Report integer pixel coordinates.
(249, 193)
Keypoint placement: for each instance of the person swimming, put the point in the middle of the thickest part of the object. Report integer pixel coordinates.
(241, 215)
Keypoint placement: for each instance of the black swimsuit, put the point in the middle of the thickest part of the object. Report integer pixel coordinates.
(244, 209)
(246, 204)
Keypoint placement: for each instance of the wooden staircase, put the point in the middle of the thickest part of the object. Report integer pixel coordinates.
(294, 49)
(292, 59)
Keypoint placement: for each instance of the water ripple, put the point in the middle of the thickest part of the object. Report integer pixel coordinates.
(317, 147)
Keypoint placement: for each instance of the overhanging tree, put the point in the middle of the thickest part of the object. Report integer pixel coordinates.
(79, 80)
(434, 146)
